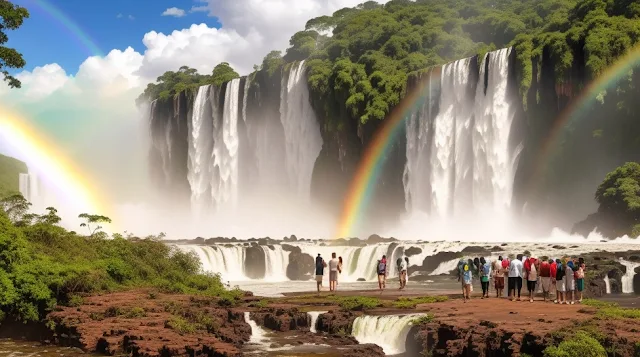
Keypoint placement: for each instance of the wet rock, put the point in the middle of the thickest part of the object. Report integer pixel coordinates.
(429, 264)
(412, 251)
(336, 322)
(282, 320)
(301, 266)
(476, 250)
(254, 262)
(374, 239)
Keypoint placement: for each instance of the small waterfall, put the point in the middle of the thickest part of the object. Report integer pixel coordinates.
(445, 268)
(313, 319)
(228, 261)
(200, 147)
(389, 332)
(30, 188)
(607, 284)
(258, 335)
(224, 180)
(627, 278)
(301, 130)
(276, 261)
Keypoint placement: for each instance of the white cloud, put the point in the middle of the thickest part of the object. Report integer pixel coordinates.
(131, 17)
(119, 16)
(173, 11)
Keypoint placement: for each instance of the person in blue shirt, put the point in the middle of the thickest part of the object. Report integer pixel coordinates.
(467, 279)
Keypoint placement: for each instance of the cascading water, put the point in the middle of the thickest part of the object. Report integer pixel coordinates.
(464, 153)
(389, 332)
(495, 163)
(258, 335)
(200, 148)
(607, 284)
(228, 261)
(224, 179)
(29, 187)
(301, 130)
(276, 261)
(313, 319)
(627, 278)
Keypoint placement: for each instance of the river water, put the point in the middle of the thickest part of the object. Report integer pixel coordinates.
(13, 348)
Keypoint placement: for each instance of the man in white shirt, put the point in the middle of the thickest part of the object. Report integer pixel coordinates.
(333, 272)
(402, 272)
(515, 277)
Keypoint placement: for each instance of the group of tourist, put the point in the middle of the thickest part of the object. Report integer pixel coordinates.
(562, 277)
(335, 268)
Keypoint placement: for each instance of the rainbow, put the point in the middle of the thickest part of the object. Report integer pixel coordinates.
(69, 25)
(580, 105)
(363, 183)
(60, 172)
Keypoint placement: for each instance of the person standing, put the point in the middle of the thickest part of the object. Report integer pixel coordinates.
(580, 281)
(320, 265)
(485, 275)
(545, 279)
(333, 272)
(461, 265)
(560, 282)
(382, 272)
(570, 282)
(515, 277)
(532, 277)
(553, 270)
(402, 272)
(498, 276)
(467, 279)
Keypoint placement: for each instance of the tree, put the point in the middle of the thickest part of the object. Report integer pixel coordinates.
(15, 206)
(51, 217)
(12, 18)
(223, 73)
(94, 219)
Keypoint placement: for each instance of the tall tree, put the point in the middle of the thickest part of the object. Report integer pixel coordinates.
(223, 73)
(11, 16)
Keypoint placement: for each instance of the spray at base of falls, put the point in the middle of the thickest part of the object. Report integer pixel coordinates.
(313, 319)
(627, 278)
(389, 332)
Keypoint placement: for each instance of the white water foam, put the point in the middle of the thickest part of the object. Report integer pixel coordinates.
(389, 331)
(313, 319)
(627, 278)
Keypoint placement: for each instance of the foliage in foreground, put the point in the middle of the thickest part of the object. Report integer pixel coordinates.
(42, 265)
(580, 345)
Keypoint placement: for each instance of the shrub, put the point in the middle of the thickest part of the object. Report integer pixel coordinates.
(180, 325)
(411, 303)
(358, 303)
(580, 345)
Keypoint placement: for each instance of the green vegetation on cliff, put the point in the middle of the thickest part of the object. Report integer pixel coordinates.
(361, 71)
(42, 265)
(618, 197)
(10, 169)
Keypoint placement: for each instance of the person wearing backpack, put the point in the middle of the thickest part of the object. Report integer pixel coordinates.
(560, 282)
(485, 274)
(381, 268)
(467, 279)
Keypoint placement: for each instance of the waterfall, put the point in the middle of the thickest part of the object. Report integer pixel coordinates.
(301, 130)
(389, 332)
(200, 147)
(495, 162)
(276, 261)
(258, 335)
(627, 278)
(445, 268)
(30, 188)
(607, 284)
(224, 180)
(228, 261)
(313, 319)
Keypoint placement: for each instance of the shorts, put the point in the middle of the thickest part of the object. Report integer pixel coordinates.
(381, 278)
(570, 285)
(531, 285)
(561, 286)
(333, 275)
(403, 275)
(580, 284)
(319, 278)
(546, 284)
(499, 282)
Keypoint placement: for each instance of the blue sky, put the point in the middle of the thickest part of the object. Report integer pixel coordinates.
(42, 39)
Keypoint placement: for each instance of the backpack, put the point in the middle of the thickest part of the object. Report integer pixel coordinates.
(486, 269)
(382, 268)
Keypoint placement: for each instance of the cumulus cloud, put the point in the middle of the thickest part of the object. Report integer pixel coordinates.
(173, 11)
